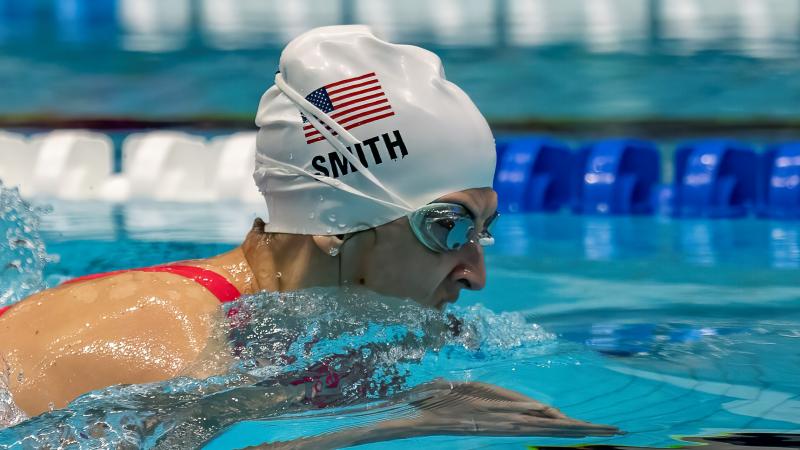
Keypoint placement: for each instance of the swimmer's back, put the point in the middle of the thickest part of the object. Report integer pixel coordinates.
(128, 327)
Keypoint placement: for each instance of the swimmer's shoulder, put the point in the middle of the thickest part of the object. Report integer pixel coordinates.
(130, 327)
(139, 288)
(123, 327)
(120, 292)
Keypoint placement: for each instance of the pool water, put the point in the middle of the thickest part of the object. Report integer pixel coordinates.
(518, 59)
(664, 328)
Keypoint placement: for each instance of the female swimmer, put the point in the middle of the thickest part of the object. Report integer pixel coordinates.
(376, 171)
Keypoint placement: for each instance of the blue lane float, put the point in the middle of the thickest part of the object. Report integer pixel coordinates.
(82, 20)
(616, 176)
(500, 145)
(533, 175)
(714, 178)
(663, 199)
(18, 19)
(779, 182)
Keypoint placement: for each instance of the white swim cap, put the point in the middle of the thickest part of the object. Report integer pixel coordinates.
(357, 132)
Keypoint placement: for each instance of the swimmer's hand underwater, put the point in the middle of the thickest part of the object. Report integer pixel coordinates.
(459, 408)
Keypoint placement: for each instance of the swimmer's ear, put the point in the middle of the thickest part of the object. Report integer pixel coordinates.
(330, 245)
(258, 225)
(254, 237)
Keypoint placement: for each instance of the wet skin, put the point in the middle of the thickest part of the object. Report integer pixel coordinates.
(141, 327)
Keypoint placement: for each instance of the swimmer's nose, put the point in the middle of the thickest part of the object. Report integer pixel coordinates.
(471, 269)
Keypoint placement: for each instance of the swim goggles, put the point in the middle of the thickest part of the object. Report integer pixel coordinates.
(446, 227)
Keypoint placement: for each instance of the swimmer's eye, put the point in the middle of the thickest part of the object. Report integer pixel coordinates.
(444, 227)
(448, 224)
(439, 228)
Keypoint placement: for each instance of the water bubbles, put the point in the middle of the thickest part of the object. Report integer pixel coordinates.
(342, 225)
(311, 215)
(329, 230)
(333, 251)
(51, 406)
(332, 218)
(321, 198)
(291, 156)
(22, 252)
(10, 413)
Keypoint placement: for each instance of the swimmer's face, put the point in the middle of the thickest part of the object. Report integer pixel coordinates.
(394, 262)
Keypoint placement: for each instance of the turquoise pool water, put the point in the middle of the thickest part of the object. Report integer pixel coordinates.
(663, 328)
(518, 59)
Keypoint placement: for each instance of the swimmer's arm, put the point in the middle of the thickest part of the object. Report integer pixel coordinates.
(444, 408)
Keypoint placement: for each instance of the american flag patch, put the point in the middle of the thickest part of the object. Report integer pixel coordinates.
(351, 103)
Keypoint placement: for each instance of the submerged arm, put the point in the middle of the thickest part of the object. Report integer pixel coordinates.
(444, 408)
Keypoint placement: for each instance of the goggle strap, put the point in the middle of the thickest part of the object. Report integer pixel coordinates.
(316, 117)
(327, 180)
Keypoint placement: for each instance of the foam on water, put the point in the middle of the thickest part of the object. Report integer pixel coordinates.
(10, 414)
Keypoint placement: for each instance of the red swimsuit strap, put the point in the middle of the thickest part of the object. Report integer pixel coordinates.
(217, 284)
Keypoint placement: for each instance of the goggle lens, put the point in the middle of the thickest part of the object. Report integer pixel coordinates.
(444, 227)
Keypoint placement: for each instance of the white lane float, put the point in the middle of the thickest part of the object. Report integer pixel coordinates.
(233, 169)
(17, 161)
(69, 164)
(164, 166)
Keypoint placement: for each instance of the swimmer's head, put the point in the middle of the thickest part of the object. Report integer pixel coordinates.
(358, 133)
(417, 134)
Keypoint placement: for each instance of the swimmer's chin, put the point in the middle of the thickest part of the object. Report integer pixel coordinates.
(442, 304)
(437, 301)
